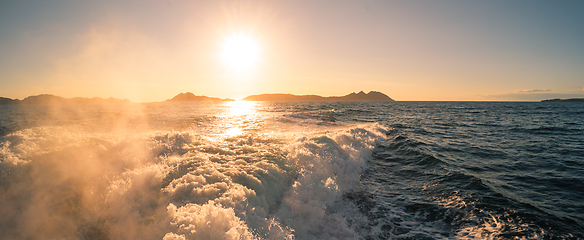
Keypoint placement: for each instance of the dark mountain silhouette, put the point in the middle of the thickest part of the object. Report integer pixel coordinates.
(564, 100)
(4, 100)
(44, 99)
(189, 97)
(52, 99)
(361, 96)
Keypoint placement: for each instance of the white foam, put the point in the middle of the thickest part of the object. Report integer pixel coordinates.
(282, 182)
(207, 221)
(328, 166)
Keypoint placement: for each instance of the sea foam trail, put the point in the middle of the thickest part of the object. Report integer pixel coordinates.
(65, 182)
(272, 193)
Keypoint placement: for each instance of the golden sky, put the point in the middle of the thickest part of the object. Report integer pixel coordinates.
(146, 50)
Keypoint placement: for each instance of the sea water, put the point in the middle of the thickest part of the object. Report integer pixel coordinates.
(281, 170)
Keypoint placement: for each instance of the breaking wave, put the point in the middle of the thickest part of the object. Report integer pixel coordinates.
(67, 182)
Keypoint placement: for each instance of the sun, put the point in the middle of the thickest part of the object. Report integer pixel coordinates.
(240, 52)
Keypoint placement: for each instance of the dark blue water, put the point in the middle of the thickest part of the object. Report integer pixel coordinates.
(472, 169)
(326, 170)
(496, 170)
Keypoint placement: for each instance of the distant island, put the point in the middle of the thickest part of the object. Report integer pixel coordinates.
(189, 97)
(564, 100)
(52, 99)
(361, 96)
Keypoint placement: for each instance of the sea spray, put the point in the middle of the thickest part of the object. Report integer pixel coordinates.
(329, 166)
(272, 197)
(292, 171)
(65, 182)
(70, 183)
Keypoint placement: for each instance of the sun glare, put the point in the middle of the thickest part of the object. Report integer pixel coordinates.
(240, 108)
(238, 117)
(240, 52)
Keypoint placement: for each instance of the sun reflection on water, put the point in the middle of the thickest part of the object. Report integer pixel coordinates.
(239, 108)
(239, 115)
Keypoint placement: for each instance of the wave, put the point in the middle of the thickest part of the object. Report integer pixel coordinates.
(289, 171)
(548, 130)
(65, 182)
(414, 190)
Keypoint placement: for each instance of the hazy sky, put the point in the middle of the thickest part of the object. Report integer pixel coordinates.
(146, 50)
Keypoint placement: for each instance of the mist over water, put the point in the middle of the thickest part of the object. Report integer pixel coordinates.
(252, 170)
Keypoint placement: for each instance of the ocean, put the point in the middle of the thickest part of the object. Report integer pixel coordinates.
(293, 170)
